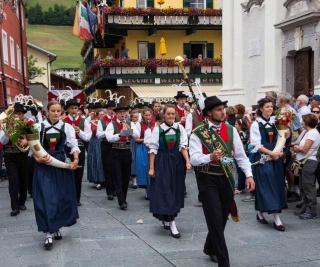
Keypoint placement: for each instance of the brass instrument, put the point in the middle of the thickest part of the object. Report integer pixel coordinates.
(8, 119)
(38, 103)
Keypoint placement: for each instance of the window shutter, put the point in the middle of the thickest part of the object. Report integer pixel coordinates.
(150, 3)
(141, 3)
(151, 50)
(187, 49)
(186, 3)
(210, 51)
(209, 4)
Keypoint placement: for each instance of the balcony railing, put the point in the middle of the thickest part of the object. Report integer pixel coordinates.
(164, 20)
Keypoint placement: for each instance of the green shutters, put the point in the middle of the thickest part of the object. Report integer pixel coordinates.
(187, 50)
(151, 50)
(150, 3)
(210, 51)
(209, 4)
(186, 3)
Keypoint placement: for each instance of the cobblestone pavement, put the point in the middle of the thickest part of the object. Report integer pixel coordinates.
(108, 236)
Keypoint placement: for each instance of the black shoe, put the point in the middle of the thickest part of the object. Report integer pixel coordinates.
(146, 198)
(299, 212)
(48, 242)
(299, 206)
(263, 220)
(79, 204)
(178, 235)
(167, 227)
(23, 207)
(123, 206)
(307, 216)
(213, 257)
(14, 212)
(110, 197)
(135, 186)
(279, 227)
(98, 187)
(57, 235)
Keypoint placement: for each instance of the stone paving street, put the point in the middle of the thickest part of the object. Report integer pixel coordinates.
(107, 236)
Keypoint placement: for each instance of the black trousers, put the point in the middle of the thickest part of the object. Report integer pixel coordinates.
(78, 173)
(216, 196)
(107, 167)
(17, 171)
(121, 169)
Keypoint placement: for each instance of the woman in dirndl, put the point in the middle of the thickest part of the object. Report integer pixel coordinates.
(54, 192)
(142, 156)
(269, 177)
(94, 165)
(168, 141)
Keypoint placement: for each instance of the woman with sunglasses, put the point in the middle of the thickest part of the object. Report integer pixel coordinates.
(316, 111)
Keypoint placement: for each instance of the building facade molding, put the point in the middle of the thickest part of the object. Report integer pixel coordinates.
(247, 6)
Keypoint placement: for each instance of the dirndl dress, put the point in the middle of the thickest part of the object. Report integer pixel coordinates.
(142, 165)
(54, 192)
(167, 188)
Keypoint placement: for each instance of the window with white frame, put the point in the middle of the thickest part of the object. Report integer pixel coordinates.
(12, 53)
(19, 59)
(198, 3)
(5, 50)
(143, 50)
(142, 3)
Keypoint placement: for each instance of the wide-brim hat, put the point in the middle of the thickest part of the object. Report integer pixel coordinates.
(97, 105)
(72, 102)
(91, 105)
(180, 94)
(145, 104)
(18, 107)
(121, 107)
(211, 102)
(111, 104)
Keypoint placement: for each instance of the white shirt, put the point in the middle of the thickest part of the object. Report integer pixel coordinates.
(100, 132)
(197, 158)
(147, 137)
(303, 111)
(154, 141)
(188, 125)
(255, 136)
(112, 137)
(314, 136)
(86, 134)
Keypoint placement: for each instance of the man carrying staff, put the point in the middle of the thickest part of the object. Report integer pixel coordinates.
(181, 110)
(83, 134)
(215, 177)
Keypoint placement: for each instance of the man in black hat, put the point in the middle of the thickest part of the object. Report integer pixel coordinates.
(120, 132)
(91, 111)
(210, 152)
(17, 165)
(83, 134)
(106, 148)
(181, 110)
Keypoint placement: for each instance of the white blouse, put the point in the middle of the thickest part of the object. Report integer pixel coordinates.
(154, 140)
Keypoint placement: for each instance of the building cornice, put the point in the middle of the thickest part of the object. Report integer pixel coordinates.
(246, 6)
(51, 55)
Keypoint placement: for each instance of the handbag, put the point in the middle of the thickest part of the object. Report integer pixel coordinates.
(297, 165)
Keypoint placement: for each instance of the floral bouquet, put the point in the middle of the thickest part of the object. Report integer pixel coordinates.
(22, 128)
(284, 116)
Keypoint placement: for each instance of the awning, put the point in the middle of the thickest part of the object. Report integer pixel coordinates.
(167, 92)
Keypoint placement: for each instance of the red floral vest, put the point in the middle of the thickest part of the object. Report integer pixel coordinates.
(79, 123)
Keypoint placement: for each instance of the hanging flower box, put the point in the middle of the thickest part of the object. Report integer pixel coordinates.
(112, 70)
(118, 70)
(175, 69)
(169, 70)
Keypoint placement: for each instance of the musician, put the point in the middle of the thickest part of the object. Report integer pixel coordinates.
(181, 110)
(54, 192)
(216, 184)
(17, 166)
(120, 152)
(270, 178)
(106, 148)
(91, 111)
(83, 134)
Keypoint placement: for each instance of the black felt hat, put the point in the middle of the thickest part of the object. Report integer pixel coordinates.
(18, 107)
(180, 94)
(111, 104)
(91, 105)
(211, 102)
(121, 107)
(97, 104)
(72, 102)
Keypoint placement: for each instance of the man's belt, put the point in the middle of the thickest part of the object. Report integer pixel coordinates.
(210, 169)
(80, 142)
(119, 145)
(12, 149)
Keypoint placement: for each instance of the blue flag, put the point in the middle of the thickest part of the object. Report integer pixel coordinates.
(92, 19)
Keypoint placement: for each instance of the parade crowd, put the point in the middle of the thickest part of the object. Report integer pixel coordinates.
(152, 145)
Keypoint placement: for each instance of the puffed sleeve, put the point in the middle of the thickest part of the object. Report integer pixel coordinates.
(86, 134)
(147, 137)
(4, 139)
(154, 141)
(183, 138)
(255, 137)
(188, 126)
(71, 140)
(111, 137)
(197, 158)
(100, 132)
(136, 132)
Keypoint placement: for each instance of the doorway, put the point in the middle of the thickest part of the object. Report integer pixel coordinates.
(198, 48)
(303, 71)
